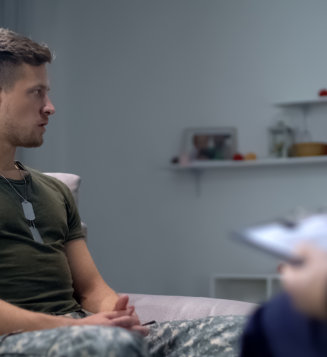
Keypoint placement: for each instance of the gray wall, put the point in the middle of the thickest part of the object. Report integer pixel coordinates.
(128, 77)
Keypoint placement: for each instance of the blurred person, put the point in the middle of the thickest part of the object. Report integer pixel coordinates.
(295, 322)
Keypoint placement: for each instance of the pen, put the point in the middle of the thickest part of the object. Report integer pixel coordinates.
(149, 323)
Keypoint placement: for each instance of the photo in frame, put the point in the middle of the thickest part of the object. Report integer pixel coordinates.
(207, 144)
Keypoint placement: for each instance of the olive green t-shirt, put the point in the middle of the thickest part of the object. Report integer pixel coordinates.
(36, 276)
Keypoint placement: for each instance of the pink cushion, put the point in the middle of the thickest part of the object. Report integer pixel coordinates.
(168, 308)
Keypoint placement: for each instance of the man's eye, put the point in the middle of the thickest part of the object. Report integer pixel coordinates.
(38, 92)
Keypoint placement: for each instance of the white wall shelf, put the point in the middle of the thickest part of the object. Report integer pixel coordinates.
(251, 288)
(210, 165)
(302, 103)
(197, 168)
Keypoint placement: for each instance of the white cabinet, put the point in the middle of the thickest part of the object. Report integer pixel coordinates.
(251, 288)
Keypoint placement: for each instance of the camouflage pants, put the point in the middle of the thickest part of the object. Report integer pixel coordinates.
(217, 336)
(213, 336)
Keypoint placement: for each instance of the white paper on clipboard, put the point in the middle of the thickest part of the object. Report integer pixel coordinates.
(280, 238)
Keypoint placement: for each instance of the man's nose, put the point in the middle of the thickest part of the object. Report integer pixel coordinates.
(48, 108)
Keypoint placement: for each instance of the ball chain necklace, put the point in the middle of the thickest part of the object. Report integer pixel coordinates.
(26, 205)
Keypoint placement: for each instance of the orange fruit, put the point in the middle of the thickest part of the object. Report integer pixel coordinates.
(250, 156)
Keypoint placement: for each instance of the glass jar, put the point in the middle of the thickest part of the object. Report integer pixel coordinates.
(281, 139)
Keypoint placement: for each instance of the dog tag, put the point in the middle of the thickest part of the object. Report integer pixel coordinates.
(28, 210)
(36, 234)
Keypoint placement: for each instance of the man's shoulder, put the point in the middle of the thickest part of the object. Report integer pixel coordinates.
(46, 179)
(67, 183)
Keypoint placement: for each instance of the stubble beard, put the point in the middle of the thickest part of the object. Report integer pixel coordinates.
(27, 141)
(32, 143)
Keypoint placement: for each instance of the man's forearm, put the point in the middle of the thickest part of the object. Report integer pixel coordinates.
(13, 318)
(92, 292)
(102, 298)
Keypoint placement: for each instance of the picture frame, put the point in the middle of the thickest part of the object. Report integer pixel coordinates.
(209, 143)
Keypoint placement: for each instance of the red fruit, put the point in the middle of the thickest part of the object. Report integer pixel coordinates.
(323, 93)
(238, 157)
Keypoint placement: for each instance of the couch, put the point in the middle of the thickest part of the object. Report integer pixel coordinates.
(162, 307)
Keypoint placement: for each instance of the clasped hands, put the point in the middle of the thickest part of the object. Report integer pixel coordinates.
(123, 315)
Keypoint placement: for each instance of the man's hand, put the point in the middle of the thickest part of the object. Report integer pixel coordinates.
(122, 316)
(122, 305)
(307, 283)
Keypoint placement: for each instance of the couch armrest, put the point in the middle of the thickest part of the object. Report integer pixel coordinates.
(168, 308)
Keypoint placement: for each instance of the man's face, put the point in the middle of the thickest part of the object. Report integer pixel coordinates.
(25, 108)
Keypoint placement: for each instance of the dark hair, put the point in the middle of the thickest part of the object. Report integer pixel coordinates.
(15, 50)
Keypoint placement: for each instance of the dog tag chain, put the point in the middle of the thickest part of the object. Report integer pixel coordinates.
(28, 210)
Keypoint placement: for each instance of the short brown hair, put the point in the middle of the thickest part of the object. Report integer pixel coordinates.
(15, 50)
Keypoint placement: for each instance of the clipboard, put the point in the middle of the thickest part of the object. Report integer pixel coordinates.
(280, 237)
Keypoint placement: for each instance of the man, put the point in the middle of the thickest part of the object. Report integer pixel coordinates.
(53, 301)
(46, 270)
(294, 323)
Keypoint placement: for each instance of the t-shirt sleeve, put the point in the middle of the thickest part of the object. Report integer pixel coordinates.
(75, 230)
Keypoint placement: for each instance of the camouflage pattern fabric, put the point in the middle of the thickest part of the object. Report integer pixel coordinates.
(212, 336)
(217, 336)
(74, 341)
